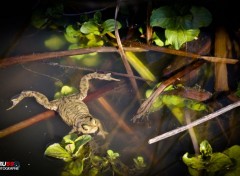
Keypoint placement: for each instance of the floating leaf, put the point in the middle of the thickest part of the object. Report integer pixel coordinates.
(56, 151)
(177, 38)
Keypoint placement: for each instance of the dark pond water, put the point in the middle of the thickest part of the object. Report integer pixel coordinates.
(27, 146)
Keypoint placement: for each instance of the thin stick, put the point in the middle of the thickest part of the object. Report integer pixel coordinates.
(194, 123)
(123, 55)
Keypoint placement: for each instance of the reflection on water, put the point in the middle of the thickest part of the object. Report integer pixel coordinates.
(114, 108)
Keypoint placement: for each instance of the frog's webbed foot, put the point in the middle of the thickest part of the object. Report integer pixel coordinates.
(15, 102)
(107, 77)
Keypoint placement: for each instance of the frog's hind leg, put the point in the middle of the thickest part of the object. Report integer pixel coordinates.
(40, 98)
(84, 83)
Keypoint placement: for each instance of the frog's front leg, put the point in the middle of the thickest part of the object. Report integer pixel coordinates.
(89, 125)
(84, 83)
(40, 98)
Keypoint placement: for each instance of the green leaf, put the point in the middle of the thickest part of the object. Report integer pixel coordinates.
(71, 34)
(56, 151)
(219, 161)
(201, 17)
(68, 90)
(139, 162)
(234, 153)
(193, 162)
(164, 17)
(112, 155)
(109, 26)
(93, 172)
(90, 27)
(157, 40)
(75, 167)
(178, 37)
(70, 138)
(205, 149)
(97, 17)
(79, 142)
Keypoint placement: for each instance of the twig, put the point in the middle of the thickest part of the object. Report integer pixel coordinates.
(183, 53)
(147, 103)
(47, 55)
(194, 123)
(123, 55)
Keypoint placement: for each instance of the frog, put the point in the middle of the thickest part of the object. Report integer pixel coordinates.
(73, 111)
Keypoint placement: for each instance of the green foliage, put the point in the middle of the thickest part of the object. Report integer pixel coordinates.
(92, 32)
(237, 93)
(79, 158)
(176, 104)
(64, 90)
(181, 23)
(210, 164)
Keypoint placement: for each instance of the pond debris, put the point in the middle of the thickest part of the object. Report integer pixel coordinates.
(194, 123)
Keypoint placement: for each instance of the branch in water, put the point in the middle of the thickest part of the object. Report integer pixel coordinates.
(194, 123)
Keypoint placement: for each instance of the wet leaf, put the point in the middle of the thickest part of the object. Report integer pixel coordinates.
(75, 167)
(234, 153)
(219, 161)
(68, 90)
(90, 27)
(97, 17)
(201, 17)
(112, 155)
(109, 26)
(177, 38)
(93, 172)
(205, 149)
(56, 151)
(79, 142)
(139, 162)
(164, 17)
(194, 162)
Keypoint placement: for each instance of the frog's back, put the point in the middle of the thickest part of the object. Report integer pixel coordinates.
(70, 109)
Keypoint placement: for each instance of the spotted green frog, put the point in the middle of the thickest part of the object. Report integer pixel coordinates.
(71, 108)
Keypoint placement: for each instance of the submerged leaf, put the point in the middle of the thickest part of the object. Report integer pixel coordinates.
(56, 151)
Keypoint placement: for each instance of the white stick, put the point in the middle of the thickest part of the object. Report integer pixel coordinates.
(194, 123)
